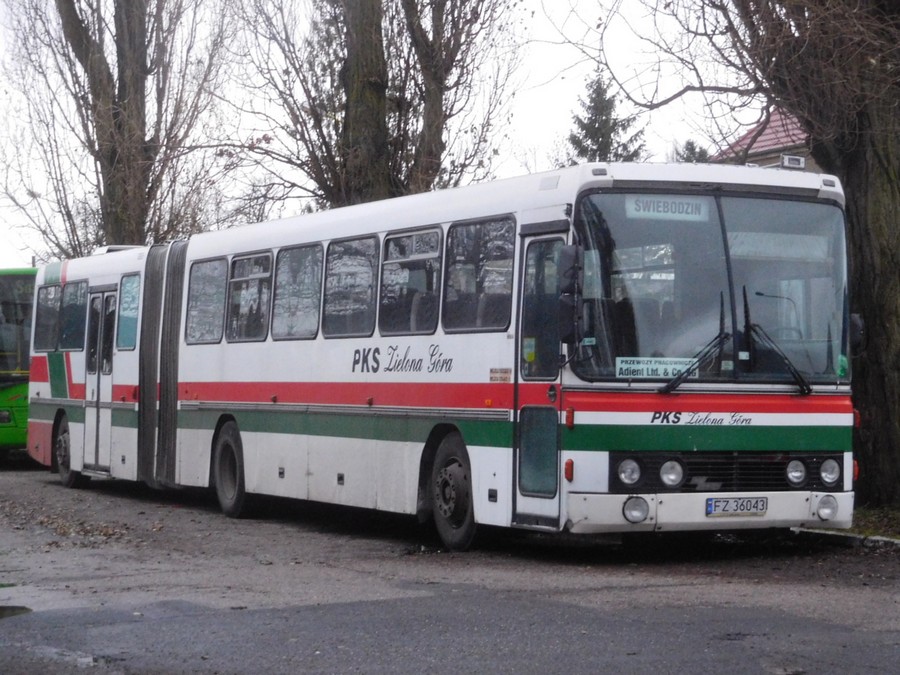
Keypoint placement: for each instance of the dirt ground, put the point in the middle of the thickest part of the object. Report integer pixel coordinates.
(55, 544)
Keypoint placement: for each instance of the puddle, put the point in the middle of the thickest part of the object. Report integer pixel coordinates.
(7, 611)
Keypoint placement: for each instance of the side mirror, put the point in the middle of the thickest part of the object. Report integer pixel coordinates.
(570, 312)
(857, 333)
(570, 266)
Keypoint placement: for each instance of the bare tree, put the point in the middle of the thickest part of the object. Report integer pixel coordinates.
(113, 93)
(364, 100)
(835, 66)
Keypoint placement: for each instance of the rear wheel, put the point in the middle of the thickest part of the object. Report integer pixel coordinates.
(62, 453)
(451, 488)
(228, 471)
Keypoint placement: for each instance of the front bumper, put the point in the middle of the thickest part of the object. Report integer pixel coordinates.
(674, 512)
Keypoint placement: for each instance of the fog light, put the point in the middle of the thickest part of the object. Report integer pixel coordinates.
(629, 471)
(796, 472)
(671, 473)
(827, 508)
(830, 471)
(636, 509)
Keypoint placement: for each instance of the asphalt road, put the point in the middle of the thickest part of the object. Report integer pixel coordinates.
(121, 579)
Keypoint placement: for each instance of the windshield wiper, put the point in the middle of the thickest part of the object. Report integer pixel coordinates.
(763, 337)
(711, 349)
(754, 329)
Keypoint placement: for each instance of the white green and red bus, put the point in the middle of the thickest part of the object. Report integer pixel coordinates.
(603, 348)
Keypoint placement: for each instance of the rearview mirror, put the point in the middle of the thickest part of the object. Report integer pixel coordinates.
(571, 262)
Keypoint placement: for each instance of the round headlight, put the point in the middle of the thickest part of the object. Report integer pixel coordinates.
(796, 472)
(830, 471)
(671, 473)
(629, 471)
(636, 509)
(827, 508)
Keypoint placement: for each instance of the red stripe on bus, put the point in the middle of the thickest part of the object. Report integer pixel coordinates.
(40, 370)
(764, 403)
(444, 395)
(76, 389)
(469, 395)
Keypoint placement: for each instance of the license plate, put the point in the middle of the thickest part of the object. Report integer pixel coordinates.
(736, 506)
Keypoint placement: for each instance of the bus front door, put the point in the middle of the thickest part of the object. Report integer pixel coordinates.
(98, 380)
(536, 457)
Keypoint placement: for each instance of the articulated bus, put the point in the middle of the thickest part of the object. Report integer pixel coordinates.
(604, 348)
(16, 292)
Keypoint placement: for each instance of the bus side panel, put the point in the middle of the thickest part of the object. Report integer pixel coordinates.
(342, 471)
(277, 464)
(124, 444)
(491, 484)
(194, 456)
(40, 441)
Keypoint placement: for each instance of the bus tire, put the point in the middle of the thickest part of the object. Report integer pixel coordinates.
(62, 455)
(451, 490)
(228, 471)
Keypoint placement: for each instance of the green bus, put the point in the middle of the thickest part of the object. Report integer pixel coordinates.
(16, 300)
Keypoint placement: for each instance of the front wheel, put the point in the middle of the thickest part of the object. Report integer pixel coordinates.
(228, 471)
(62, 453)
(451, 489)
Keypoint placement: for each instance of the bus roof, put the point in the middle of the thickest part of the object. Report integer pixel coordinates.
(536, 197)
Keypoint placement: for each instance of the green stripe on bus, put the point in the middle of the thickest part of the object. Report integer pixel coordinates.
(46, 411)
(59, 383)
(368, 427)
(686, 439)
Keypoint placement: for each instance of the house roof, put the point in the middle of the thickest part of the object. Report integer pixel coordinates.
(781, 132)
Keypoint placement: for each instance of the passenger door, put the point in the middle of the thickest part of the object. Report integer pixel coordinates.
(98, 379)
(536, 457)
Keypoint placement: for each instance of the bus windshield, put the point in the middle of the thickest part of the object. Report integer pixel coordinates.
(723, 287)
(15, 324)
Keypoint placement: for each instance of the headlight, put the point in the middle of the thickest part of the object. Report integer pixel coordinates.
(635, 509)
(827, 508)
(671, 473)
(796, 472)
(830, 472)
(629, 471)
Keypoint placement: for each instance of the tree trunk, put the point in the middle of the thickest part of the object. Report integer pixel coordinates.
(871, 177)
(365, 131)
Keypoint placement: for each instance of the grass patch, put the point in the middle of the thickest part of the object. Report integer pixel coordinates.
(882, 521)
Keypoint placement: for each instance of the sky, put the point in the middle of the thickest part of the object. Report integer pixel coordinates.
(553, 75)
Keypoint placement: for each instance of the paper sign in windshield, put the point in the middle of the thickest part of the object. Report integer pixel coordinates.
(667, 207)
(647, 368)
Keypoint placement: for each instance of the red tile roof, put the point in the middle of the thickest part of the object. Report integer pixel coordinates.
(782, 132)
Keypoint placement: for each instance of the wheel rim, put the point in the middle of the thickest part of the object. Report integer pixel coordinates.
(451, 493)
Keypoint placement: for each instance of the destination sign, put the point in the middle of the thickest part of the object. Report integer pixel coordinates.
(667, 207)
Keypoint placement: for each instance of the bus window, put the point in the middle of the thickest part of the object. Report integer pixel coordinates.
(248, 298)
(409, 278)
(540, 334)
(129, 301)
(350, 270)
(46, 318)
(206, 302)
(93, 333)
(72, 316)
(298, 289)
(478, 286)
